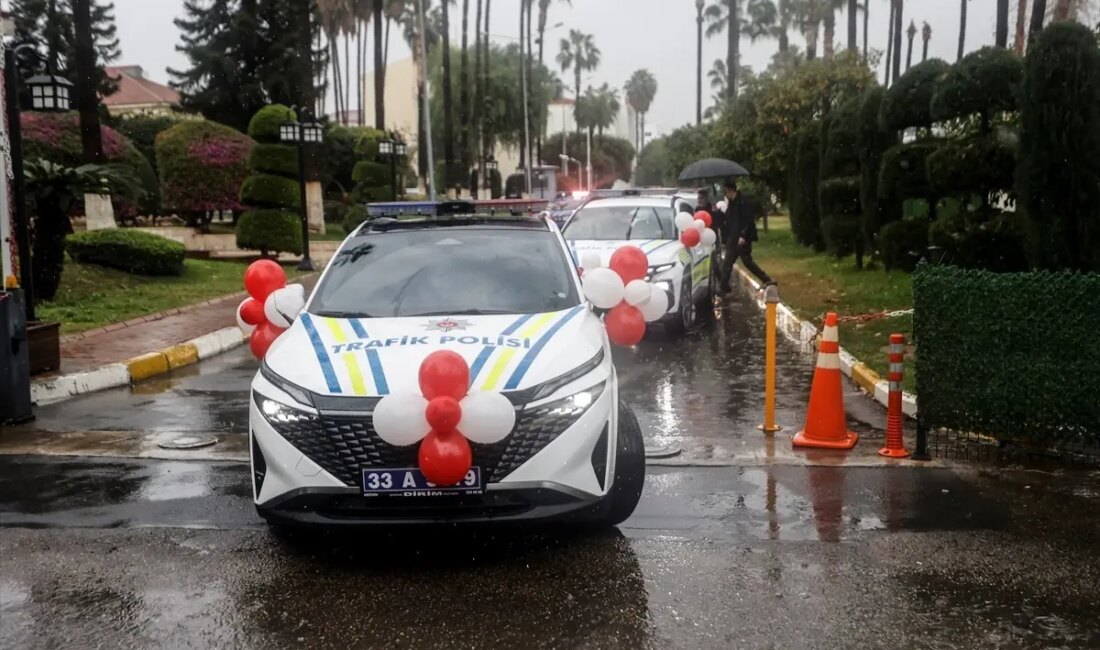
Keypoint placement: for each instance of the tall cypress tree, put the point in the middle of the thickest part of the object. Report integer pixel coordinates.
(48, 25)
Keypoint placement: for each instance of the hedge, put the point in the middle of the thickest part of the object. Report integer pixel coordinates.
(840, 150)
(983, 82)
(133, 251)
(264, 126)
(1058, 179)
(270, 231)
(355, 215)
(277, 159)
(903, 243)
(371, 173)
(203, 165)
(267, 191)
(904, 171)
(907, 103)
(976, 165)
(976, 240)
(142, 130)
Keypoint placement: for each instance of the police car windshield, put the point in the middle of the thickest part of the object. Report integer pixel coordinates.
(447, 271)
(622, 222)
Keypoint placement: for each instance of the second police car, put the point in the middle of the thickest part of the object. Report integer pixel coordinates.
(502, 293)
(647, 220)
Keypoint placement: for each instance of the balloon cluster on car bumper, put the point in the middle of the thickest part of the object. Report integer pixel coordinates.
(272, 307)
(444, 418)
(621, 288)
(696, 230)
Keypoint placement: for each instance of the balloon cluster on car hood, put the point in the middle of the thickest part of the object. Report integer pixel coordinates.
(271, 307)
(621, 288)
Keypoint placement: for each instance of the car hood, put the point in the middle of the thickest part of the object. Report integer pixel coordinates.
(659, 251)
(377, 356)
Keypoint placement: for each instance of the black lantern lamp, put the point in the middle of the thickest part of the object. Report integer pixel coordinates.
(49, 93)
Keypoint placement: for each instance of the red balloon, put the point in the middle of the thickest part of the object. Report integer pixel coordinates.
(252, 312)
(444, 414)
(444, 458)
(262, 337)
(630, 263)
(262, 277)
(704, 216)
(444, 374)
(625, 324)
(690, 238)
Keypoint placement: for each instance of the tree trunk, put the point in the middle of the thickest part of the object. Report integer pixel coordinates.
(897, 38)
(347, 78)
(962, 30)
(379, 70)
(924, 53)
(87, 102)
(866, 30)
(522, 71)
(464, 94)
(853, 7)
(1038, 13)
(909, 53)
(359, 27)
(641, 142)
(733, 57)
(530, 62)
(890, 41)
(334, 54)
(448, 102)
(809, 30)
(487, 136)
(475, 124)
(1021, 31)
(1001, 39)
(1065, 10)
(785, 25)
(830, 35)
(303, 61)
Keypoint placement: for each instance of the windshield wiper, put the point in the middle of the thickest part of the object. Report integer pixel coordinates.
(343, 314)
(463, 312)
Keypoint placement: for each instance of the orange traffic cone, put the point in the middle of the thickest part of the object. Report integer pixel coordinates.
(826, 426)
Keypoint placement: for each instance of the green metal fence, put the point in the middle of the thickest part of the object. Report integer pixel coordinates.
(1007, 361)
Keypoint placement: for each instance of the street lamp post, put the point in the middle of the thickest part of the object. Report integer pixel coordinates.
(699, 62)
(302, 132)
(49, 93)
(392, 149)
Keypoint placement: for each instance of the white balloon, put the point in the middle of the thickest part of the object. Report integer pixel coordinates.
(699, 225)
(284, 305)
(487, 417)
(401, 419)
(637, 292)
(603, 287)
(656, 306)
(245, 327)
(709, 237)
(590, 260)
(684, 221)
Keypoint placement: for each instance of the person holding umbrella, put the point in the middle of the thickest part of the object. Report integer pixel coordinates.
(740, 234)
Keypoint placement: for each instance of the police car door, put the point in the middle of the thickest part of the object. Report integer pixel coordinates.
(700, 258)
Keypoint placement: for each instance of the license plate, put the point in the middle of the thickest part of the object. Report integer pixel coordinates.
(410, 482)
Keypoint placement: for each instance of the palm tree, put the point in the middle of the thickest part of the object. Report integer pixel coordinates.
(890, 41)
(1038, 13)
(544, 12)
(640, 89)
(411, 31)
(87, 102)
(1021, 29)
(762, 19)
(962, 29)
(810, 17)
(335, 16)
(853, 7)
(580, 53)
(866, 28)
(898, 13)
(448, 101)
(379, 69)
(464, 93)
(1002, 24)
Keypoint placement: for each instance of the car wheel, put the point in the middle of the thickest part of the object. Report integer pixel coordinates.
(626, 491)
(685, 317)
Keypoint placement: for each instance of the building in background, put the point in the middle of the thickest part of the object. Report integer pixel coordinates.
(136, 94)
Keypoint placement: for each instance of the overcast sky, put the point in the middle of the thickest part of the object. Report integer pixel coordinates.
(654, 34)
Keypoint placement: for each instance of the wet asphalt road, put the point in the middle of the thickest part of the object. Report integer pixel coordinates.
(138, 552)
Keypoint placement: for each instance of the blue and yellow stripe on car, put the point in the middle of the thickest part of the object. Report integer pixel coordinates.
(357, 375)
(543, 326)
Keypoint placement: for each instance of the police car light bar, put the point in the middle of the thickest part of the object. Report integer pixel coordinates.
(443, 208)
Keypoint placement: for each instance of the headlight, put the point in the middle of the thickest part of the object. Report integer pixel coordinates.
(548, 388)
(277, 413)
(657, 269)
(297, 393)
(575, 404)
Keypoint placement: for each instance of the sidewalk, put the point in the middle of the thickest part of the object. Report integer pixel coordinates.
(143, 347)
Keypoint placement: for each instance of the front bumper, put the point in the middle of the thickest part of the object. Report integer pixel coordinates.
(552, 466)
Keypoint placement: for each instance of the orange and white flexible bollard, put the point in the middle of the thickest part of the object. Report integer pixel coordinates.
(895, 443)
(826, 424)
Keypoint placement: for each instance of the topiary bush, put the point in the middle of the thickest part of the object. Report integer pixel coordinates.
(838, 192)
(354, 216)
(975, 165)
(908, 102)
(142, 130)
(272, 223)
(984, 82)
(983, 240)
(873, 141)
(903, 243)
(1058, 178)
(904, 171)
(203, 165)
(371, 174)
(133, 251)
(805, 219)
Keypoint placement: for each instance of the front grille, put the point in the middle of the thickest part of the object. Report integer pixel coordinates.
(342, 445)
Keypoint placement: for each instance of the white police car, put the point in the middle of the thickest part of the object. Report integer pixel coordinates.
(502, 293)
(602, 225)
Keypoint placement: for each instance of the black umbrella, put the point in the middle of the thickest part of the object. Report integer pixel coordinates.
(712, 168)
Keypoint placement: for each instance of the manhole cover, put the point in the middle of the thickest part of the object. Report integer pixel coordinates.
(188, 442)
(663, 452)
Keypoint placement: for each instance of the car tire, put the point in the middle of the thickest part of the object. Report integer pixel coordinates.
(626, 490)
(685, 316)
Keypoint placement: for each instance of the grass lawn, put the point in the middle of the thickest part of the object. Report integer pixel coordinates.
(813, 283)
(92, 296)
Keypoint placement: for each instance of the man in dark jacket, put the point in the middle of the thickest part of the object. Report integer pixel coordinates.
(717, 217)
(740, 234)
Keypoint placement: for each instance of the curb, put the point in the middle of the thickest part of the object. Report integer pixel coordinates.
(804, 333)
(138, 368)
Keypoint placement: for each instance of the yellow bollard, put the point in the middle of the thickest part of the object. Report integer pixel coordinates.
(771, 299)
